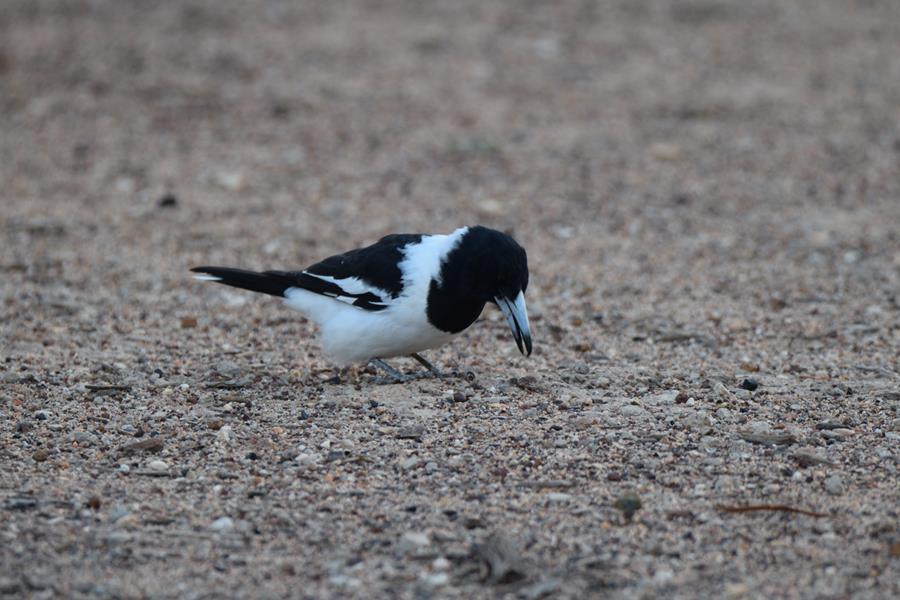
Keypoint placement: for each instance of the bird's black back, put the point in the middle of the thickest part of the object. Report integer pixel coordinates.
(376, 265)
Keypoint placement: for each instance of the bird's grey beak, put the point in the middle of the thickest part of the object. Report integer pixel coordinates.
(517, 317)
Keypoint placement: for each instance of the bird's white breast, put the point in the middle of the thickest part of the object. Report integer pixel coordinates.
(352, 334)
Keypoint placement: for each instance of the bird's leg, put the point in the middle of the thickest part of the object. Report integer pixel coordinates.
(431, 368)
(393, 373)
(338, 377)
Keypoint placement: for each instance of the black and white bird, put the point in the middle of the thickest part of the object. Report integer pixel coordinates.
(402, 295)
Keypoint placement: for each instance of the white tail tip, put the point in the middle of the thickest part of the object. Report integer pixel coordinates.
(207, 278)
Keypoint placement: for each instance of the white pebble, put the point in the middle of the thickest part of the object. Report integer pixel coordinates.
(412, 541)
(157, 465)
(224, 434)
(222, 524)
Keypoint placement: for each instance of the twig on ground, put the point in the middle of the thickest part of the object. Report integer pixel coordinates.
(769, 508)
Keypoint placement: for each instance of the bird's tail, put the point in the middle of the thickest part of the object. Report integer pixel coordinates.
(270, 282)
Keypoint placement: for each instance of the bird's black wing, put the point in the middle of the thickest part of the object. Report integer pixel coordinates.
(367, 277)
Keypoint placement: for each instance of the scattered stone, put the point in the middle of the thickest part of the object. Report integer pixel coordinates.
(435, 580)
(831, 424)
(41, 415)
(9, 586)
(151, 445)
(222, 524)
(229, 180)
(501, 558)
(117, 538)
(760, 433)
(410, 463)
(559, 497)
(308, 460)
(20, 503)
(665, 151)
(84, 438)
(440, 564)
(158, 466)
(413, 541)
(697, 420)
(41, 455)
(662, 399)
(412, 432)
(629, 503)
(837, 434)
(168, 201)
(722, 393)
(117, 513)
(834, 485)
(188, 322)
(633, 411)
(228, 369)
(224, 435)
(807, 457)
(749, 384)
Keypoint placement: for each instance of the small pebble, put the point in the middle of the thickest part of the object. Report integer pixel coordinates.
(168, 201)
(629, 503)
(158, 466)
(413, 432)
(224, 435)
(559, 497)
(307, 459)
(412, 541)
(41, 455)
(834, 485)
(633, 411)
(722, 393)
(84, 438)
(117, 512)
(222, 524)
(435, 580)
(749, 384)
(837, 434)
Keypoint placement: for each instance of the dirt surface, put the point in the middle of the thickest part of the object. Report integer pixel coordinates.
(710, 199)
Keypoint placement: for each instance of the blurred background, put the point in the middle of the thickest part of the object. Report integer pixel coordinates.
(708, 190)
(582, 126)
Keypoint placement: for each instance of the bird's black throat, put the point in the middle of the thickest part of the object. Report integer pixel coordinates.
(451, 311)
(485, 264)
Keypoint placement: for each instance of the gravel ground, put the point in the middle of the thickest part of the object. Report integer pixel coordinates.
(710, 198)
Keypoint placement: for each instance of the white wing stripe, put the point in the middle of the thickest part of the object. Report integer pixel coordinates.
(352, 285)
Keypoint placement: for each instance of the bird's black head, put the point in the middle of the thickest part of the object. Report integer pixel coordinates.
(489, 266)
(495, 265)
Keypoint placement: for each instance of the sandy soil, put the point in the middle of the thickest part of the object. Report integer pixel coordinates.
(708, 191)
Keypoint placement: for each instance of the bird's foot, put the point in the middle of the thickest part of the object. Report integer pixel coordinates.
(393, 375)
(466, 374)
(431, 368)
